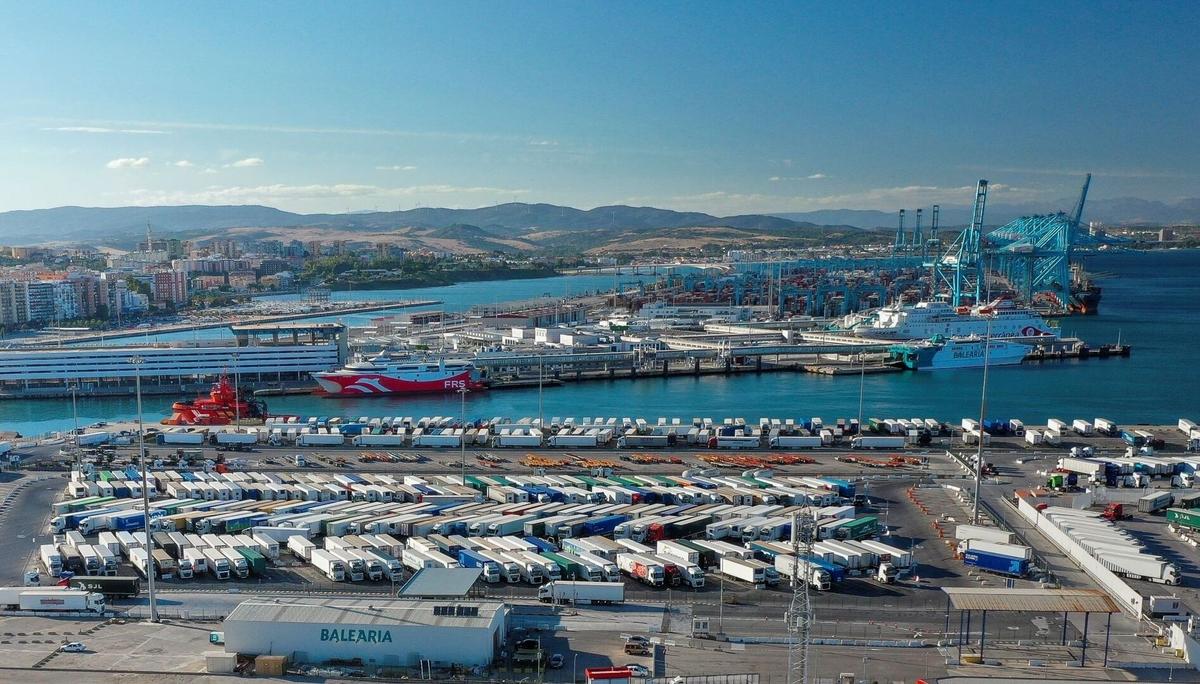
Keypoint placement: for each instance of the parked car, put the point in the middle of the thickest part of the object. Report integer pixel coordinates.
(556, 661)
(73, 647)
(637, 670)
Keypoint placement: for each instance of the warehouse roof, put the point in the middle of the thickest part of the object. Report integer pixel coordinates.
(384, 613)
(441, 582)
(1032, 600)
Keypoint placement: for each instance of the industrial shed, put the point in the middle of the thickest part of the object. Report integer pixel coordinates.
(383, 633)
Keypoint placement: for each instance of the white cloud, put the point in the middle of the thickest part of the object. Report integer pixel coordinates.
(128, 163)
(1076, 173)
(103, 129)
(396, 167)
(723, 203)
(209, 170)
(246, 163)
(183, 164)
(813, 176)
(304, 130)
(544, 143)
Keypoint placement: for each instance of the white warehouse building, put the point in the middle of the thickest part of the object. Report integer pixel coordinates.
(380, 632)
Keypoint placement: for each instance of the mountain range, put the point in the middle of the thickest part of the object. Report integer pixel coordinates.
(526, 226)
(1127, 211)
(123, 225)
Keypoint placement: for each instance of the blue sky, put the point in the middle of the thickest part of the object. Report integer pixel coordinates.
(719, 107)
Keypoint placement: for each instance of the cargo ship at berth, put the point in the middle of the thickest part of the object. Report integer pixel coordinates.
(964, 352)
(222, 406)
(999, 319)
(384, 375)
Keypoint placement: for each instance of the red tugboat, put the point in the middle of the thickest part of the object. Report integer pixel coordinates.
(221, 407)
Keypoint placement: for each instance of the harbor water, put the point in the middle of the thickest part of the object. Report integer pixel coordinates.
(1151, 301)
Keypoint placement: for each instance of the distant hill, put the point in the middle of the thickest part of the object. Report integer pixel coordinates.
(100, 222)
(124, 224)
(511, 223)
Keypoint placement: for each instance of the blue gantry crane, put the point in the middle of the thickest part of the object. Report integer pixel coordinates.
(1033, 254)
(960, 269)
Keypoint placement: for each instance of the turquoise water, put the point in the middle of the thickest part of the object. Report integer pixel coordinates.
(453, 297)
(1152, 301)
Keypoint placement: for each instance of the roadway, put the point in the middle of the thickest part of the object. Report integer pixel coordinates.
(24, 523)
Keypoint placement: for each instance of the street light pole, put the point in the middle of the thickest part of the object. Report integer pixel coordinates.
(541, 417)
(137, 376)
(862, 384)
(75, 416)
(721, 609)
(987, 346)
(237, 397)
(462, 441)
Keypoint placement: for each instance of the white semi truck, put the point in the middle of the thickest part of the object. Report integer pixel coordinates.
(582, 593)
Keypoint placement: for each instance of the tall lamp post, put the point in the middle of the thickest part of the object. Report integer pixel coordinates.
(237, 401)
(75, 416)
(137, 362)
(987, 347)
(462, 441)
(862, 385)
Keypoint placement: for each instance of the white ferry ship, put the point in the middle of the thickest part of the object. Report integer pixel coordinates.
(930, 319)
(964, 352)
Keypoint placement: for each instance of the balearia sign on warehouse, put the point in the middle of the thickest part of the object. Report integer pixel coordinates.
(369, 636)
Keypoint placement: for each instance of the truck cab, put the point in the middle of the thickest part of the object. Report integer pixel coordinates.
(1115, 511)
(886, 573)
(32, 579)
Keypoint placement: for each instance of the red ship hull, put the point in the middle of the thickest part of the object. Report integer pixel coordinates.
(367, 384)
(222, 406)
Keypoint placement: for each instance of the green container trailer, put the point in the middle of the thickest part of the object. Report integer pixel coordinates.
(591, 482)
(256, 561)
(1189, 501)
(692, 527)
(570, 569)
(105, 475)
(859, 528)
(97, 503)
(1184, 518)
(82, 504)
(665, 481)
(235, 525)
(476, 483)
(176, 506)
(708, 557)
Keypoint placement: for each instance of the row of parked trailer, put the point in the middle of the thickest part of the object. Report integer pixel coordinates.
(1134, 470)
(244, 502)
(170, 554)
(442, 431)
(1117, 550)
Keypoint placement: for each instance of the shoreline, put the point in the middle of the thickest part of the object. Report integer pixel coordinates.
(366, 307)
(489, 276)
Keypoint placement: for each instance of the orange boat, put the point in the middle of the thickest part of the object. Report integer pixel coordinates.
(222, 406)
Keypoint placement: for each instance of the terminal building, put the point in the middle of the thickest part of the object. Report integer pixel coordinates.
(381, 633)
(273, 352)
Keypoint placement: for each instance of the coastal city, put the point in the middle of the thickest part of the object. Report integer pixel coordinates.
(432, 351)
